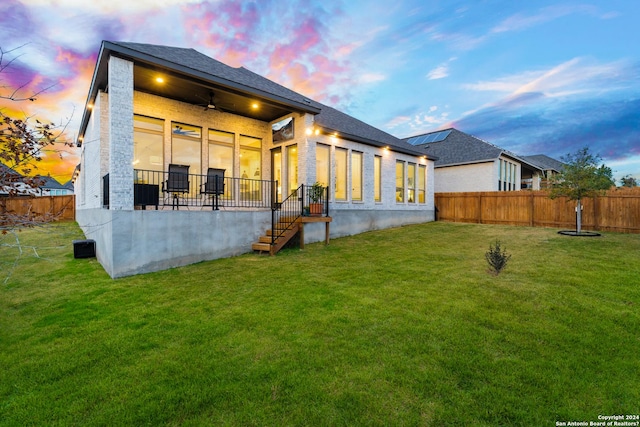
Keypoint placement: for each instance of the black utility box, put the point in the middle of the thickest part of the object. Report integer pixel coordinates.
(84, 248)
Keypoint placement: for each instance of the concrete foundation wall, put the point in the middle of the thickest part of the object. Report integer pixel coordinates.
(135, 242)
(350, 222)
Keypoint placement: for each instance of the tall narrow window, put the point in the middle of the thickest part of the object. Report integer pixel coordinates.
(422, 183)
(377, 178)
(399, 181)
(221, 150)
(292, 168)
(411, 182)
(148, 135)
(341, 174)
(276, 171)
(356, 176)
(250, 167)
(323, 162)
(186, 142)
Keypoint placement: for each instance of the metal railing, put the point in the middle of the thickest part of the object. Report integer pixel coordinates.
(154, 188)
(306, 200)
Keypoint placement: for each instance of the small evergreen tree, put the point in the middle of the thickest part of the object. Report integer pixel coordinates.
(497, 258)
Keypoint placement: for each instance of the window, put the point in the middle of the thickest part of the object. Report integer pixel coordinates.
(323, 162)
(422, 183)
(250, 161)
(276, 171)
(399, 181)
(221, 150)
(185, 146)
(411, 182)
(507, 173)
(148, 135)
(292, 168)
(377, 178)
(356, 176)
(341, 174)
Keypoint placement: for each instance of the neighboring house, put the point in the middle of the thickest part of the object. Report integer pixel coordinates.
(466, 163)
(12, 183)
(162, 124)
(548, 165)
(51, 187)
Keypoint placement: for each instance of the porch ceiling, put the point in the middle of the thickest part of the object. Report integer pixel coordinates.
(196, 92)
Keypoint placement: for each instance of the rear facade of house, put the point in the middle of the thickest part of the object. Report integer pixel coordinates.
(156, 109)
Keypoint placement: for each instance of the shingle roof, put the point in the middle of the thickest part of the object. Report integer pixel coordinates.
(461, 148)
(326, 117)
(348, 126)
(545, 162)
(50, 183)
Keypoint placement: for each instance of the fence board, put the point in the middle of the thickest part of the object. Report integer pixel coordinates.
(618, 210)
(60, 208)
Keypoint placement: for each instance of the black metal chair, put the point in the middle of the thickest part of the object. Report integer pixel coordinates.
(214, 186)
(177, 183)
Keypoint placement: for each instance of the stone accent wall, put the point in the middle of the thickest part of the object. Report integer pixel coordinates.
(120, 134)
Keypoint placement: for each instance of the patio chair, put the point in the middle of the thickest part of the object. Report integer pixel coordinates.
(214, 186)
(177, 183)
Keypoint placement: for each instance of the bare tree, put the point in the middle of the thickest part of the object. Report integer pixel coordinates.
(23, 141)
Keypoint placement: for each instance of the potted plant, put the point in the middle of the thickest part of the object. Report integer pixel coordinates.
(316, 191)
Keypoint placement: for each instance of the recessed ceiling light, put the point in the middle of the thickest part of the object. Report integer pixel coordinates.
(255, 105)
(159, 80)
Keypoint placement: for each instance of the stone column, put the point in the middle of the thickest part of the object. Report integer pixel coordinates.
(120, 134)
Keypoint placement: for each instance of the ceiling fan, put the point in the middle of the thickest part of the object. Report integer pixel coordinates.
(209, 104)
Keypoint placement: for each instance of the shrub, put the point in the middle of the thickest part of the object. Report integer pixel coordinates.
(497, 258)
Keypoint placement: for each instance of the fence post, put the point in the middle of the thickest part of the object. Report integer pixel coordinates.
(532, 211)
(596, 213)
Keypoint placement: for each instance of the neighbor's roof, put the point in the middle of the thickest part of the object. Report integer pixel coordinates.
(453, 147)
(50, 183)
(189, 63)
(545, 162)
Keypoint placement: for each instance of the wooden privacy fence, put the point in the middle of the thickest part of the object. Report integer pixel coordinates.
(618, 210)
(58, 208)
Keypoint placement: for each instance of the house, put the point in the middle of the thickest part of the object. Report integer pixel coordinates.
(186, 159)
(466, 163)
(13, 184)
(51, 187)
(549, 167)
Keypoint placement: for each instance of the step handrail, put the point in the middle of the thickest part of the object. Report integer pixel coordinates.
(289, 209)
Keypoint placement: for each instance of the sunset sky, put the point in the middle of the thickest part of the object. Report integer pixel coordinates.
(533, 77)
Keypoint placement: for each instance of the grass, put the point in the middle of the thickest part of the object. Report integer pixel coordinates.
(394, 327)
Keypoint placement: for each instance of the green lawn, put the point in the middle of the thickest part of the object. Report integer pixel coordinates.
(395, 327)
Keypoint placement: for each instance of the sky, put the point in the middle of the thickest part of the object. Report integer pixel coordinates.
(533, 77)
